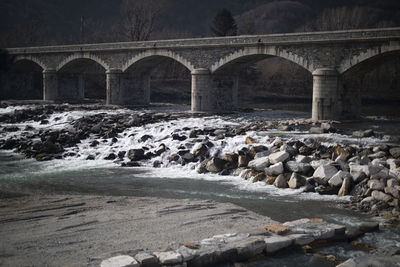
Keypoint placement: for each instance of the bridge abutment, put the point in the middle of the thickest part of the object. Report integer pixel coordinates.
(50, 85)
(326, 104)
(213, 93)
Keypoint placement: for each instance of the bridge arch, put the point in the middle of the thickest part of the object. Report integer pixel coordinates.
(32, 59)
(254, 54)
(78, 56)
(367, 55)
(154, 53)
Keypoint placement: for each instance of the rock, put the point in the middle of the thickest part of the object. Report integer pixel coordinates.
(395, 152)
(337, 179)
(298, 167)
(188, 157)
(249, 247)
(362, 134)
(215, 165)
(324, 173)
(275, 243)
(278, 157)
(376, 185)
(259, 164)
(278, 229)
(303, 159)
(394, 191)
(136, 154)
(145, 137)
(243, 161)
(91, 157)
(187, 252)
(378, 195)
(259, 177)
(201, 168)
(250, 140)
(157, 164)
(200, 150)
(296, 181)
(301, 239)
(146, 259)
(274, 170)
(377, 155)
(174, 158)
(393, 163)
(326, 190)
(231, 160)
(120, 261)
(305, 150)
(161, 149)
(288, 149)
(111, 156)
(270, 180)
(169, 257)
(327, 126)
(317, 163)
(345, 188)
(316, 130)
(358, 176)
(280, 181)
(179, 137)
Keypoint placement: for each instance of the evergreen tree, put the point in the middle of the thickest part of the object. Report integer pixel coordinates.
(224, 24)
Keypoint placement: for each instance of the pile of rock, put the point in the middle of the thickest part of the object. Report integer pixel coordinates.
(371, 174)
(229, 248)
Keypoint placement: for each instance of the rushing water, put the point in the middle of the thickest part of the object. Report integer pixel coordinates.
(76, 175)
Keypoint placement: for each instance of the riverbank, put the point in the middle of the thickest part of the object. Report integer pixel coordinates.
(67, 230)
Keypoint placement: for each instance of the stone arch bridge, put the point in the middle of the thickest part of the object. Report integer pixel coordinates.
(214, 64)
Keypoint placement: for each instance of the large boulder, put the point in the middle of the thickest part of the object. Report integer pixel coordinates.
(274, 170)
(136, 154)
(259, 164)
(395, 152)
(277, 157)
(337, 179)
(344, 189)
(296, 181)
(215, 165)
(324, 173)
(280, 181)
(378, 195)
(231, 160)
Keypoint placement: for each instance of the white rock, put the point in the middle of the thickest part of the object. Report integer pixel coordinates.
(120, 261)
(275, 243)
(367, 199)
(259, 164)
(278, 157)
(298, 167)
(367, 169)
(324, 173)
(376, 185)
(281, 182)
(317, 163)
(382, 174)
(187, 253)
(378, 195)
(275, 169)
(169, 257)
(337, 179)
(393, 163)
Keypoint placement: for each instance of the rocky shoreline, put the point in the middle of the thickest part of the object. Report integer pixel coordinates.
(369, 174)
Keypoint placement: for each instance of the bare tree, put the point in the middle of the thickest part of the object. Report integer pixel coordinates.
(139, 18)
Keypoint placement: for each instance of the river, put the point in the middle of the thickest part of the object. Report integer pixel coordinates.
(99, 177)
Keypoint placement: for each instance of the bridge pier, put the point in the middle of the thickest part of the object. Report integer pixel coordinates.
(126, 89)
(50, 85)
(213, 93)
(326, 104)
